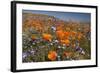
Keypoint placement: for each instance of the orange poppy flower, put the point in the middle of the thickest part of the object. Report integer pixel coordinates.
(67, 53)
(79, 36)
(60, 34)
(73, 33)
(52, 55)
(66, 41)
(67, 34)
(47, 37)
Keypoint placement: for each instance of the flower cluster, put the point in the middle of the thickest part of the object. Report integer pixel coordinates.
(59, 43)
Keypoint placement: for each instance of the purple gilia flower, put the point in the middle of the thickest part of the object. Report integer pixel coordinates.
(80, 50)
(32, 52)
(77, 48)
(24, 55)
(53, 28)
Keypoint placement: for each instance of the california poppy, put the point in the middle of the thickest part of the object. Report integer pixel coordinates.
(47, 37)
(52, 55)
(79, 36)
(67, 53)
(73, 33)
(67, 34)
(60, 34)
(66, 41)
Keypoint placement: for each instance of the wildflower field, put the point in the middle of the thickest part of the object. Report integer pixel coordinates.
(47, 38)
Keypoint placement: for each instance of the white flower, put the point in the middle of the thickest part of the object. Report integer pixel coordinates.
(24, 55)
(32, 52)
(58, 56)
(33, 43)
(56, 41)
(59, 46)
(63, 47)
(67, 57)
(31, 46)
(51, 43)
(53, 28)
(29, 39)
(83, 52)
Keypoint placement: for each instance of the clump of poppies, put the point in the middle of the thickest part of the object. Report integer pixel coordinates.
(52, 55)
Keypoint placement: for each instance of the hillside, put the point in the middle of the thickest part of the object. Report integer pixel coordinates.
(40, 22)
